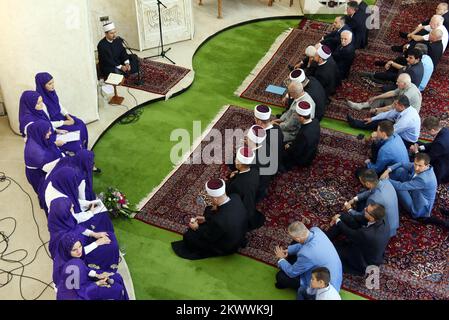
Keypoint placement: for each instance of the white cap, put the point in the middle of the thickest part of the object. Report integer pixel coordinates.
(262, 112)
(324, 52)
(297, 75)
(310, 51)
(216, 188)
(108, 27)
(257, 134)
(245, 155)
(303, 108)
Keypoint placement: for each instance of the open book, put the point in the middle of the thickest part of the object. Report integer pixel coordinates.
(69, 136)
(114, 79)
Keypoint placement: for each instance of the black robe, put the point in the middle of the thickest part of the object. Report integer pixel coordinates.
(357, 23)
(318, 94)
(246, 185)
(111, 55)
(327, 74)
(435, 51)
(305, 147)
(344, 57)
(222, 233)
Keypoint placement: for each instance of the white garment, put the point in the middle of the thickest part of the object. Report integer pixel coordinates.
(328, 293)
(51, 194)
(55, 124)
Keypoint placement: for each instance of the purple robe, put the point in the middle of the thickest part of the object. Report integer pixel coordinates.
(74, 282)
(51, 100)
(61, 222)
(38, 152)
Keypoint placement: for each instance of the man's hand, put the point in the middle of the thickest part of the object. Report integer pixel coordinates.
(367, 120)
(371, 100)
(233, 173)
(299, 64)
(60, 143)
(414, 148)
(334, 219)
(124, 68)
(287, 146)
(200, 219)
(194, 225)
(128, 67)
(280, 253)
(385, 175)
(388, 65)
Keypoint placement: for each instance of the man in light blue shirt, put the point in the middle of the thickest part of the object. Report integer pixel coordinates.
(407, 123)
(387, 149)
(428, 66)
(310, 249)
(380, 192)
(415, 184)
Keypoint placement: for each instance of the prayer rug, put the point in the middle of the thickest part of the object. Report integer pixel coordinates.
(416, 259)
(395, 16)
(159, 77)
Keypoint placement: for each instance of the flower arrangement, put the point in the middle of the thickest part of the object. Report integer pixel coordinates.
(117, 204)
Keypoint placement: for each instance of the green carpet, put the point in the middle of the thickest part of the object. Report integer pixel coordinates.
(135, 159)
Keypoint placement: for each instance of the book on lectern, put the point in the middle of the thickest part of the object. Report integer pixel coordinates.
(114, 79)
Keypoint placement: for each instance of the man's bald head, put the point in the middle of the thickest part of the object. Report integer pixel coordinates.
(404, 80)
(436, 21)
(436, 35)
(442, 8)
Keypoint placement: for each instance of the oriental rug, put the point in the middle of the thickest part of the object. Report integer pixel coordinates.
(395, 15)
(416, 259)
(159, 77)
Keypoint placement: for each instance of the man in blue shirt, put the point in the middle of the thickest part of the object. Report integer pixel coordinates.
(309, 250)
(415, 184)
(378, 191)
(407, 123)
(388, 149)
(428, 66)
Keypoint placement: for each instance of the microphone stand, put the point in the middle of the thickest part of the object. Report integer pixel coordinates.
(163, 52)
(139, 81)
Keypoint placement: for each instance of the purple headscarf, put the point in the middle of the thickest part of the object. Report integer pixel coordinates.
(50, 98)
(63, 254)
(65, 181)
(27, 110)
(39, 150)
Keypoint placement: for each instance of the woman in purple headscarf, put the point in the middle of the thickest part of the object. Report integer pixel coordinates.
(40, 153)
(74, 280)
(45, 85)
(33, 109)
(100, 246)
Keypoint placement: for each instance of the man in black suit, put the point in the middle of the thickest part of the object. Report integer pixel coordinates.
(304, 148)
(325, 70)
(356, 20)
(220, 231)
(344, 54)
(332, 39)
(438, 149)
(366, 238)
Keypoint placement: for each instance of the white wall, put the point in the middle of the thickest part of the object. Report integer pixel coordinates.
(52, 36)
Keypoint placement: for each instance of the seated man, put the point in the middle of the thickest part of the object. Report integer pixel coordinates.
(304, 148)
(436, 23)
(221, 231)
(438, 149)
(245, 183)
(367, 238)
(413, 67)
(435, 46)
(344, 54)
(415, 184)
(407, 122)
(309, 250)
(315, 90)
(332, 39)
(378, 191)
(112, 54)
(288, 121)
(387, 148)
(320, 287)
(383, 102)
(356, 20)
(325, 70)
(271, 153)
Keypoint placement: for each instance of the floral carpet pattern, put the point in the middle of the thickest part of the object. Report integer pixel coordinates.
(416, 259)
(395, 15)
(158, 77)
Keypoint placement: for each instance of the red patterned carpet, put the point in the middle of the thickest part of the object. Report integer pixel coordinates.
(159, 77)
(395, 15)
(417, 258)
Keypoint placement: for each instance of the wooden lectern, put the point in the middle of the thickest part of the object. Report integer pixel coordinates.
(115, 80)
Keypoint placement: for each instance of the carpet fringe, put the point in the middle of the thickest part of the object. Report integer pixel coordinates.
(195, 144)
(261, 64)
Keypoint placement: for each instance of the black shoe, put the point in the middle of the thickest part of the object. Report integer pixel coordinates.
(350, 119)
(403, 35)
(380, 63)
(397, 49)
(97, 170)
(444, 211)
(278, 286)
